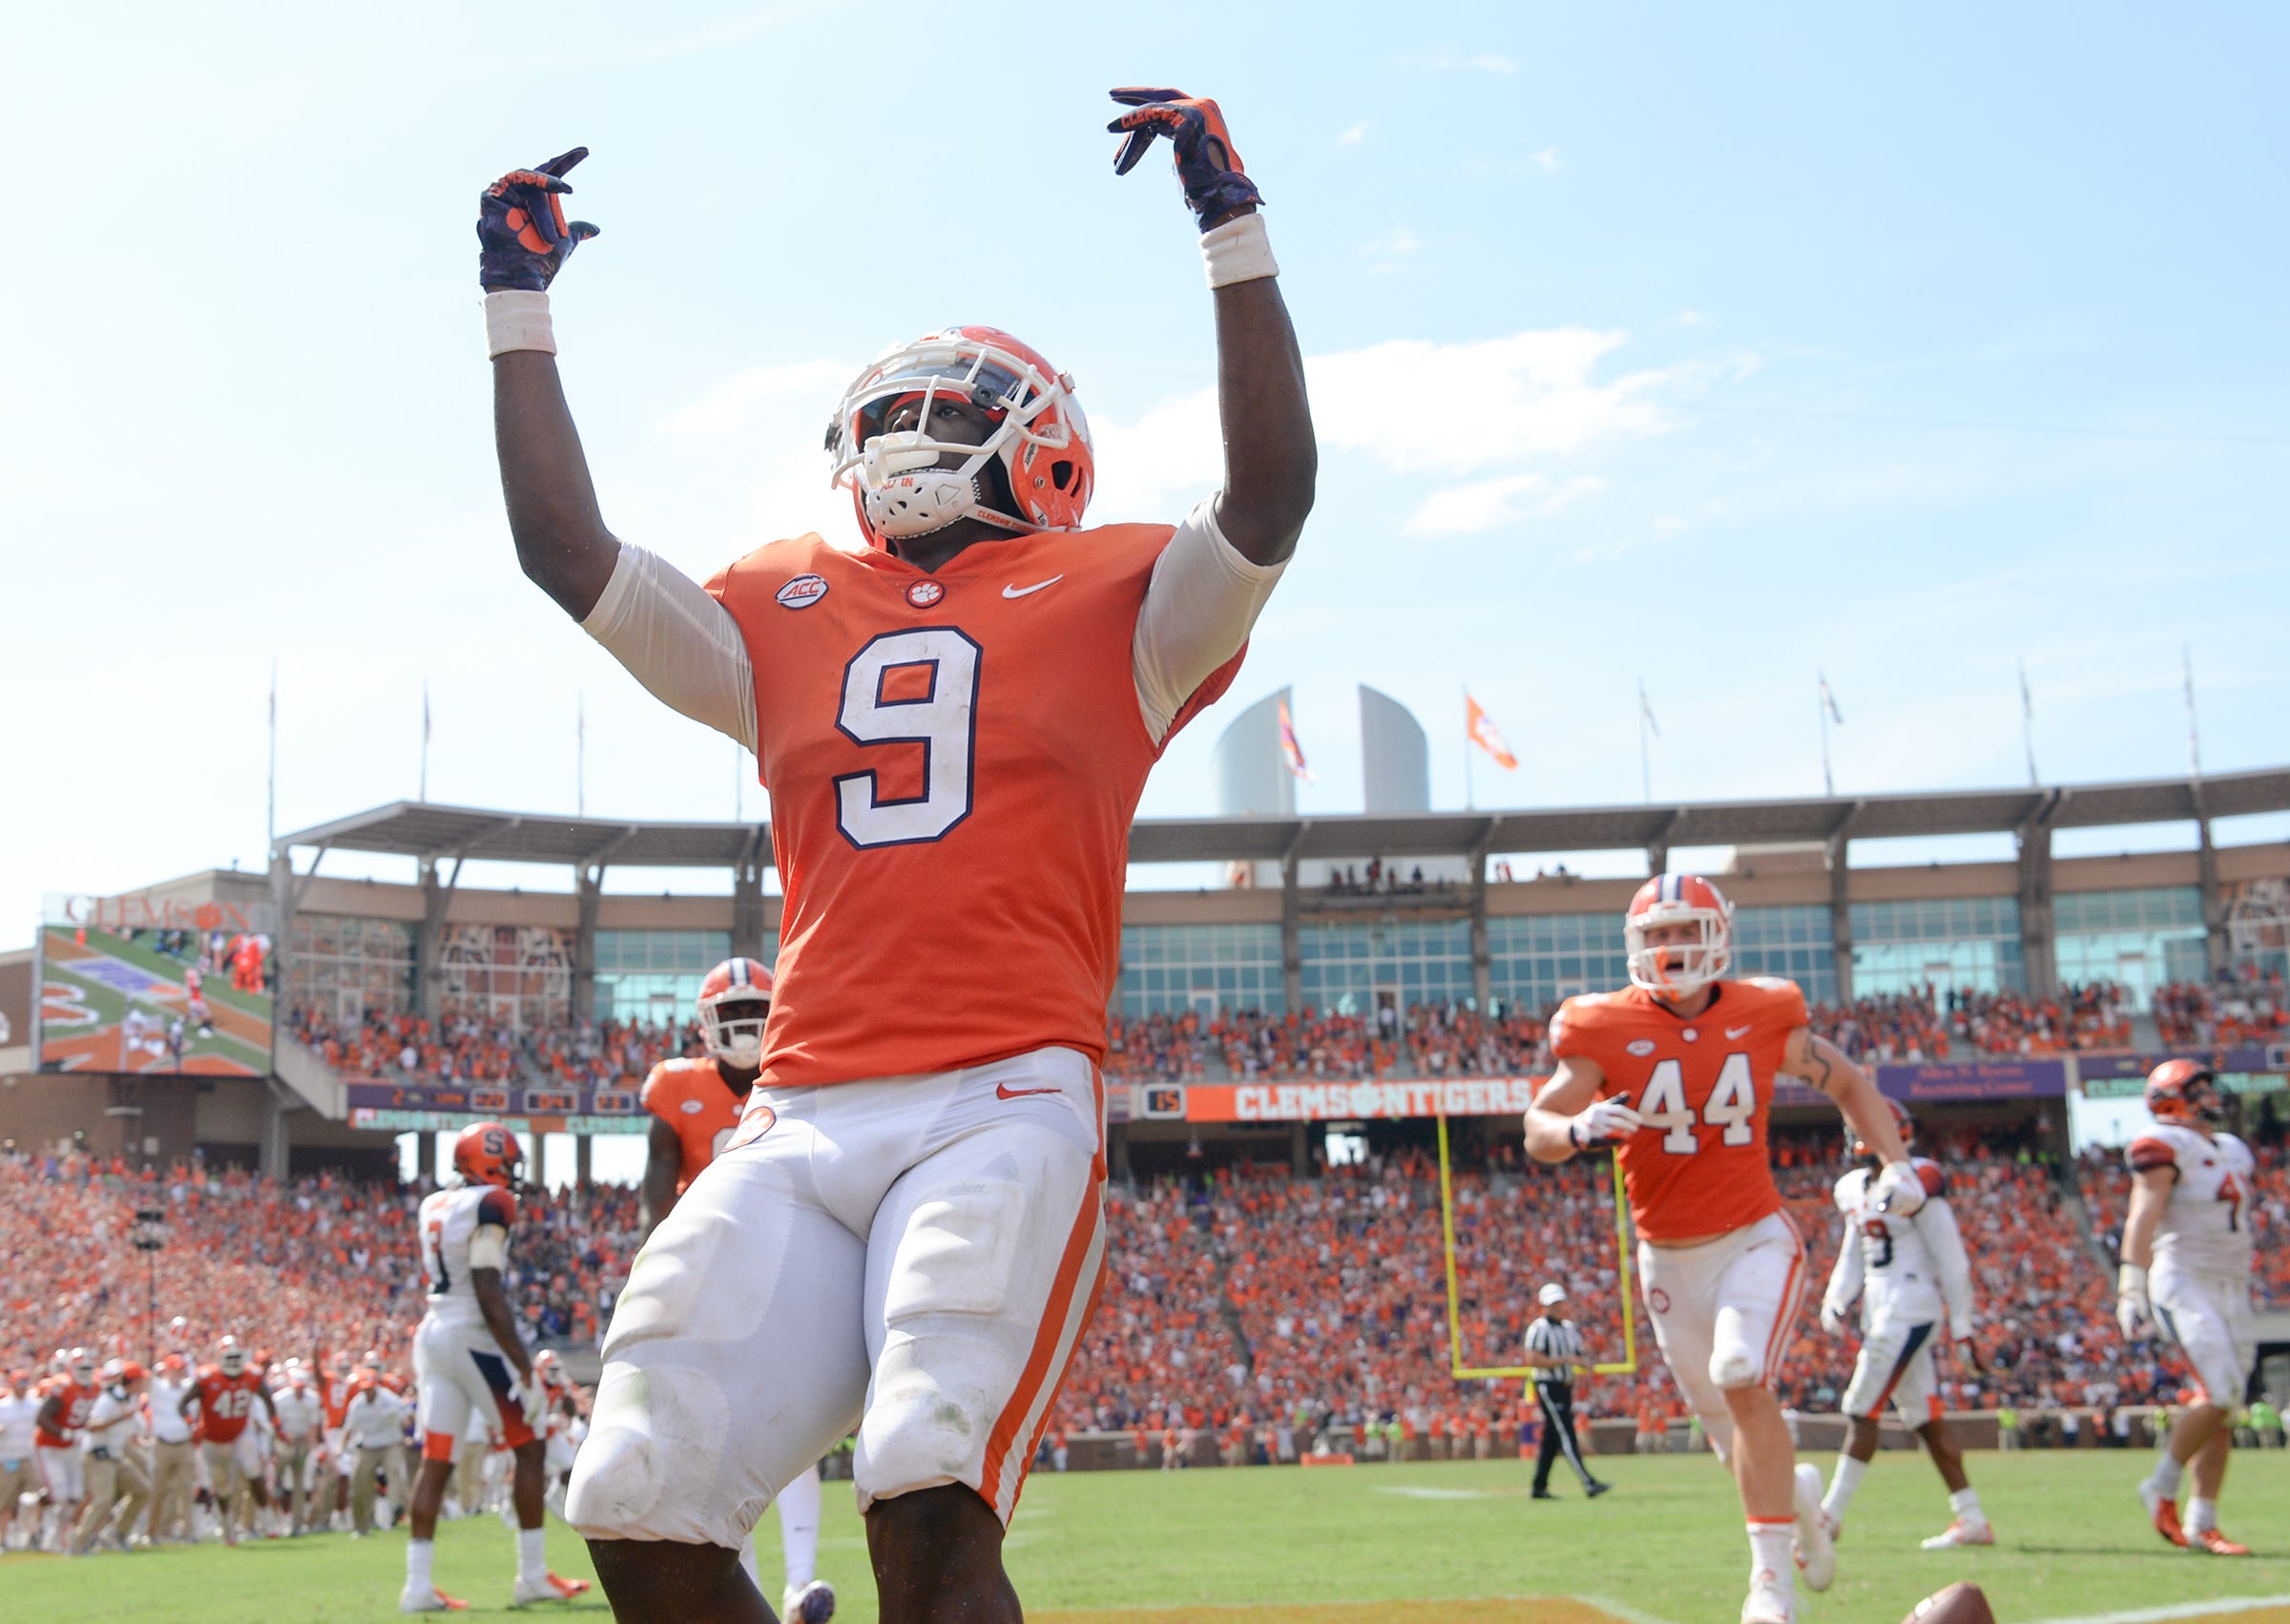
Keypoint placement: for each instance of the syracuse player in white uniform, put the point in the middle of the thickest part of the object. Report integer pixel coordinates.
(468, 1357)
(1904, 1271)
(955, 717)
(2186, 1267)
(1677, 1071)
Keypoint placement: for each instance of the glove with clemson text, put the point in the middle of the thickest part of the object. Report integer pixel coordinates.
(1603, 1122)
(523, 236)
(1215, 187)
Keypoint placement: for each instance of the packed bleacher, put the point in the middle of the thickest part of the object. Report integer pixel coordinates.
(2200, 1014)
(1934, 1024)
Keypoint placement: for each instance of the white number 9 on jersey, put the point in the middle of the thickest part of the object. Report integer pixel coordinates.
(940, 666)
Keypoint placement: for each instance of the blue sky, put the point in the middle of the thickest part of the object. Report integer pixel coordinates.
(1676, 342)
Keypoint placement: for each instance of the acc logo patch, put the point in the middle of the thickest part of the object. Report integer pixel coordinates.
(690, 1108)
(924, 593)
(801, 592)
(1658, 1301)
(1640, 1045)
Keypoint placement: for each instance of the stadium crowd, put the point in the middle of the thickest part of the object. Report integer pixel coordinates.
(2202, 1014)
(1931, 1024)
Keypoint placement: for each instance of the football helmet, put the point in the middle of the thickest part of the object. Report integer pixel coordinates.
(1901, 1120)
(230, 1356)
(1034, 470)
(83, 1367)
(1678, 970)
(487, 1154)
(2186, 1093)
(736, 1041)
(545, 1366)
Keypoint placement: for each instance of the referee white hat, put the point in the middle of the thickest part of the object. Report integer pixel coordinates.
(1550, 1294)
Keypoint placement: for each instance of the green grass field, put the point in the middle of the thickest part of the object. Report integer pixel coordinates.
(1287, 1547)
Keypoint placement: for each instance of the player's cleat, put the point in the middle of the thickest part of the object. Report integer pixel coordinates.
(2164, 1512)
(1767, 1603)
(1816, 1551)
(431, 1600)
(547, 1588)
(1541, 1494)
(813, 1604)
(1961, 1532)
(2217, 1543)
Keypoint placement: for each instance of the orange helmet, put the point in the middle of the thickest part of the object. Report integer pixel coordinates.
(487, 1154)
(1036, 449)
(1678, 970)
(733, 982)
(1901, 1120)
(2184, 1092)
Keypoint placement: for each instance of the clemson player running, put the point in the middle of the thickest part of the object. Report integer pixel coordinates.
(955, 713)
(1678, 1070)
(695, 1105)
(1904, 1271)
(467, 1357)
(2186, 1268)
(227, 1393)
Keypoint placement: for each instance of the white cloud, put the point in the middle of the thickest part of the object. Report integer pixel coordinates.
(734, 404)
(1487, 504)
(1547, 160)
(1353, 136)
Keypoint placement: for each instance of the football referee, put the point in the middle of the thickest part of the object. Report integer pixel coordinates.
(1554, 1349)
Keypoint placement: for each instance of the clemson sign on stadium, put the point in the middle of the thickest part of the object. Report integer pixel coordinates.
(1330, 1102)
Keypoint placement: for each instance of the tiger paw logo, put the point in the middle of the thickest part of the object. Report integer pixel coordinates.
(753, 1126)
(1658, 1301)
(924, 593)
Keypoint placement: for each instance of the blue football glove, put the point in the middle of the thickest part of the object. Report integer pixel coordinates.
(1215, 187)
(523, 237)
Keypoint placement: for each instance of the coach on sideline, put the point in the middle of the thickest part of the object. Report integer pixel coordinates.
(1554, 1349)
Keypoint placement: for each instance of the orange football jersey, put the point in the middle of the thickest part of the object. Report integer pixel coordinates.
(953, 759)
(225, 1402)
(1703, 1087)
(692, 1098)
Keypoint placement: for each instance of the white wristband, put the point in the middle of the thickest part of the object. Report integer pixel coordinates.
(1238, 251)
(517, 320)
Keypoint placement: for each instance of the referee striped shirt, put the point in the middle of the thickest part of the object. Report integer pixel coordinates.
(1555, 1339)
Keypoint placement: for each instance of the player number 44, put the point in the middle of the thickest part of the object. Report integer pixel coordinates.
(1730, 1104)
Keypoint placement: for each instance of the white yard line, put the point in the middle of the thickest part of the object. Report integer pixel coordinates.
(2180, 1610)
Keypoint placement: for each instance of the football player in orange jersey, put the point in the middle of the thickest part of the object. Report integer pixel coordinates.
(955, 713)
(1678, 1070)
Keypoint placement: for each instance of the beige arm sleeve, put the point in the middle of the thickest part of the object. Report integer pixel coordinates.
(678, 641)
(489, 1247)
(1202, 601)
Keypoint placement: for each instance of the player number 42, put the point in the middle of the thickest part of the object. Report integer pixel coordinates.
(1730, 1104)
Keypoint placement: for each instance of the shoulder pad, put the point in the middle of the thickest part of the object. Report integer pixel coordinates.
(497, 1206)
(2151, 1150)
(1936, 1182)
(1847, 1190)
(1772, 983)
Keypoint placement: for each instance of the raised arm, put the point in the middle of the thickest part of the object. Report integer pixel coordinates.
(1270, 460)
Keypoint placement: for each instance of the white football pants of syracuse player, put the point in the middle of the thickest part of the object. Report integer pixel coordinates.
(918, 1255)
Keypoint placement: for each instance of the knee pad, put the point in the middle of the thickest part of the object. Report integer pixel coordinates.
(649, 1431)
(1733, 1367)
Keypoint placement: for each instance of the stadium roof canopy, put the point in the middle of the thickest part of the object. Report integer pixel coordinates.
(425, 830)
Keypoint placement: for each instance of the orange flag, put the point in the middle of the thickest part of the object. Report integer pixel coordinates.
(1484, 733)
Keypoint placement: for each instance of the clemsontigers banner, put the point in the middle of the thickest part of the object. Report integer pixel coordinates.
(1330, 1102)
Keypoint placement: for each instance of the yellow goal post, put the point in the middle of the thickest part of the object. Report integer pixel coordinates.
(1627, 1365)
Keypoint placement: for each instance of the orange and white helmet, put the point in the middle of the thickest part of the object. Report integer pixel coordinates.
(487, 1154)
(1034, 470)
(83, 1367)
(1678, 970)
(735, 1040)
(545, 1366)
(230, 1355)
(2184, 1092)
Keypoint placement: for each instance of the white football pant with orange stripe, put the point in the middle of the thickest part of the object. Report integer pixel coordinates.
(1724, 1313)
(917, 1255)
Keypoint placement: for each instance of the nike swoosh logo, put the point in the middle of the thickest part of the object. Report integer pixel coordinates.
(1028, 592)
(1735, 1031)
(1003, 1091)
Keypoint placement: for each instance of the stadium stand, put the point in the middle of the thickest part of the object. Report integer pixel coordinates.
(2203, 1014)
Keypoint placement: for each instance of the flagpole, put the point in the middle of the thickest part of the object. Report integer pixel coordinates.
(1645, 748)
(580, 753)
(425, 795)
(2028, 722)
(2186, 654)
(270, 811)
(1828, 782)
(1469, 800)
